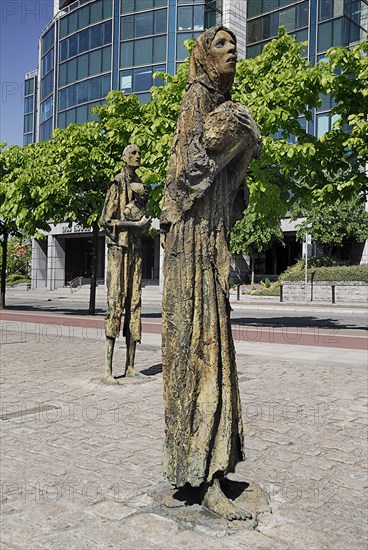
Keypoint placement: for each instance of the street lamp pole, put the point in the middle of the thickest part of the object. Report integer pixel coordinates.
(306, 267)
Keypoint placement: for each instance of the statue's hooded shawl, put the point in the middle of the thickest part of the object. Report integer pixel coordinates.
(190, 169)
(205, 191)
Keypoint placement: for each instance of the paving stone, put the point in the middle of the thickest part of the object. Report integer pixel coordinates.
(77, 477)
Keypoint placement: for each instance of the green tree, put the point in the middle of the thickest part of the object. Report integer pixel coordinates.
(86, 164)
(150, 126)
(254, 234)
(331, 224)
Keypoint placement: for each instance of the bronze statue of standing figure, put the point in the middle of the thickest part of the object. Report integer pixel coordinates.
(205, 194)
(125, 220)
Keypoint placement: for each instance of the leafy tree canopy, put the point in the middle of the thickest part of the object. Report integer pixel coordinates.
(331, 224)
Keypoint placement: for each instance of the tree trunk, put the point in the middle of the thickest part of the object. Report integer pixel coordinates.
(4, 245)
(92, 294)
(252, 272)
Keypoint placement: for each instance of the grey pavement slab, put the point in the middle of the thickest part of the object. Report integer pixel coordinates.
(80, 459)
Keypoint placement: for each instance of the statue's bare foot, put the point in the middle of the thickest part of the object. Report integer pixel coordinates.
(109, 379)
(215, 500)
(132, 373)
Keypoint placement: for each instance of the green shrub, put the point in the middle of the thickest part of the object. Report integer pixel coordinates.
(337, 273)
(16, 279)
(267, 283)
(272, 290)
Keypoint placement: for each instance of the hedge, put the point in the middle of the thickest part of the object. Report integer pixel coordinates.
(336, 273)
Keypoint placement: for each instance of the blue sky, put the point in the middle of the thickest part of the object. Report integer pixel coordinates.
(20, 26)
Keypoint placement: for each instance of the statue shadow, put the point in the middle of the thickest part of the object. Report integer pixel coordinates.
(151, 371)
(233, 489)
(188, 495)
(193, 495)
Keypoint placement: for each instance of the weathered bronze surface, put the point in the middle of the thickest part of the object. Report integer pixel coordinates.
(204, 195)
(125, 220)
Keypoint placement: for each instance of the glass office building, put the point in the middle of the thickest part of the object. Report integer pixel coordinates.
(323, 23)
(93, 46)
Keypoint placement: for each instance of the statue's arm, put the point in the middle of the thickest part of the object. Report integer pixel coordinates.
(114, 224)
(228, 131)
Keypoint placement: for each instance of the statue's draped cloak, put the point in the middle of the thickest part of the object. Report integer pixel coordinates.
(204, 195)
(124, 268)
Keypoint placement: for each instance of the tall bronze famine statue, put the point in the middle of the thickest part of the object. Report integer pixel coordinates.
(125, 220)
(204, 195)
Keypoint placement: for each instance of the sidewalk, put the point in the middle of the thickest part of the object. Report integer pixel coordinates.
(152, 295)
(79, 459)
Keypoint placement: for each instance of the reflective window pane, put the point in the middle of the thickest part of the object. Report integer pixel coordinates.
(254, 30)
(72, 70)
(64, 50)
(126, 54)
(62, 99)
(254, 8)
(82, 114)
(84, 41)
(322, 125)
(127, 6)
(159, 49)
(144, 24)
(95, 13)
(63, 28)
(106, 59)
(107, 27)
(63, 74)
(126, 82)
(29, 86)
(73, 45)
(27, 123)
(303, 13)
(107, 9)
(160, 21)
(127, 27)
(143, 51)
(28, 104)
(105, 85)
(185, 18)
(287, 19)
(181, 52)
(324, 36)
(96, 36)
(73, 22)
(61, 120)
(83, 17)
(270, 5)
(46, 109)
(198, 18)
(70, 117)
(82, 66)
(142, 79)
(95, 61)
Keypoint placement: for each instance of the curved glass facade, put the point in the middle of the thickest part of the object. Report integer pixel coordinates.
(94, 46)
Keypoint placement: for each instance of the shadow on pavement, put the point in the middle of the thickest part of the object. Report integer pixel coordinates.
(305, 321)
(151, 371)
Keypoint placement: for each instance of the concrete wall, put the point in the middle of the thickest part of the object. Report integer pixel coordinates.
(322, 292)
(39, 263)
(234, 17)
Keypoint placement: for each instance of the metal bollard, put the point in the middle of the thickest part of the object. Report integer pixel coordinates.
(333, 288)
(281, 293)
(238, 292)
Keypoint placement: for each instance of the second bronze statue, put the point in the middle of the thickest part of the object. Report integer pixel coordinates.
(125, 220)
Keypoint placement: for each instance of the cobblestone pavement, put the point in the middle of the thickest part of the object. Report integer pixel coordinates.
(79, 458)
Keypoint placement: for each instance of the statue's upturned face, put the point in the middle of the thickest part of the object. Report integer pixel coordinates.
(223, 52)
(132, 156)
